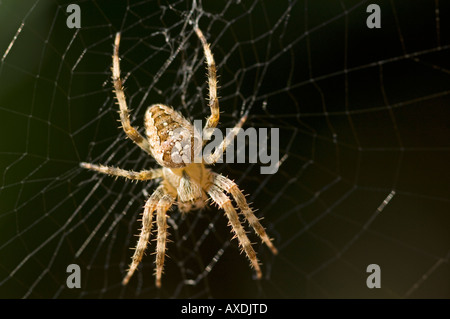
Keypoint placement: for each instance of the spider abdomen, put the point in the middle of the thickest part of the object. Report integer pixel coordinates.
(170, 135)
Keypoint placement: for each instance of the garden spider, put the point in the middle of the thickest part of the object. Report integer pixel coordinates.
(185, 183)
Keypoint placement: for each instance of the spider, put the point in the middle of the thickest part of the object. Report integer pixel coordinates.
(184, 182)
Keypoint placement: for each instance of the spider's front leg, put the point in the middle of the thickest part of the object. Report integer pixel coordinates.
(220, 150)
(213, 119)
(130, 131)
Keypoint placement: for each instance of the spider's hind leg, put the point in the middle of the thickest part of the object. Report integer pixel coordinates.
(147, 220)
(161, 221)
(224, 202)
(231, 187)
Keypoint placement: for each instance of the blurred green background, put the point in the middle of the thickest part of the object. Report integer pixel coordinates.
(361, 113)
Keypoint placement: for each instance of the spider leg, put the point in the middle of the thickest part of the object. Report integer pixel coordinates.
(214, 157)
(188, 190)
(232, 188)
(161, 240)
(114, 171)
(213, 119)
(224, 202)
(147, 219)
(130, 131)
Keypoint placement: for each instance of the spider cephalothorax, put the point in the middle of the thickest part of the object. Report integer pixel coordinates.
(171, 140)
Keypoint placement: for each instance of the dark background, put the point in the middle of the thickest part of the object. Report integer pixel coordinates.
(361, 112)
